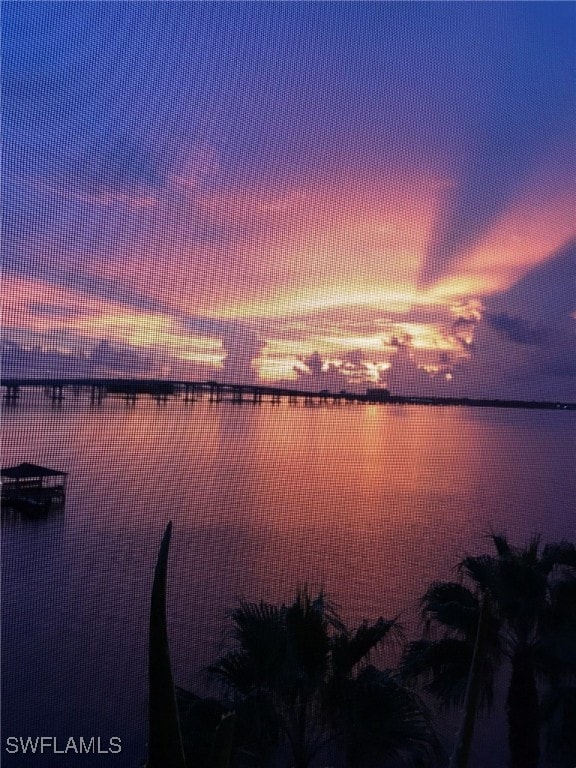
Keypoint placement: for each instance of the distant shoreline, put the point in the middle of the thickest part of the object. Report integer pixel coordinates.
(483, 403)
(236, 392)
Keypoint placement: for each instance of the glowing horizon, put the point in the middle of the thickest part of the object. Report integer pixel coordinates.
(385, 230)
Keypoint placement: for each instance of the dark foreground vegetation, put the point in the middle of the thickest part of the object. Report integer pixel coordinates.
(300, 689)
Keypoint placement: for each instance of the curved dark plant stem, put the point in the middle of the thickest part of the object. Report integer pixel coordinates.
(223, 741)
(461, 752)
(164, 736)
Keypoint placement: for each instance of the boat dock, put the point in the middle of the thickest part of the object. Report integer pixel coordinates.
(32, 489)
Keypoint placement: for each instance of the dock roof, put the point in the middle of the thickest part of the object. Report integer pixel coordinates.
(26, 470)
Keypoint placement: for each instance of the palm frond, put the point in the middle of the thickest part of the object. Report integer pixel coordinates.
(260, 630)
(237, 671)
(503, 548)
(530, 554)
(308, 642)
(562, 606)
(442, 668)
(349, 650)
(481, 569)
(329, 610)
(558, 554)
(385, 720)
(452, 605)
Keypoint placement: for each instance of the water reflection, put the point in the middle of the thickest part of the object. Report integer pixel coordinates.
(35, 574)
(371, 503)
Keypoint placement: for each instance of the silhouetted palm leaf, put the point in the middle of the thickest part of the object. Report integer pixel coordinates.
(348, 650)
(453, 606)
(532, 620)
(442, 668)
(558, 554)
(300, 663)
(382, 719)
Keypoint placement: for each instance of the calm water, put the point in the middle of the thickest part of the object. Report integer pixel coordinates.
(369, 502)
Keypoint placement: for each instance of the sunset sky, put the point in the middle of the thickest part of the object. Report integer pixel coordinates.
(333, 195)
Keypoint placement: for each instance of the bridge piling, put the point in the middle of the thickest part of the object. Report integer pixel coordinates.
(12, 392)
(189, 393)
(97, 394)
(215, 392)
(56, 393)
(130, 398)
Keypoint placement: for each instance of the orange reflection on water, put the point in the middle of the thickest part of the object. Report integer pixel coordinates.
(334, 495)
(356, 456)
(370, 502)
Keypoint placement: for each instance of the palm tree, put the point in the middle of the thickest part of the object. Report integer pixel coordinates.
(531, 623)
(306, 677)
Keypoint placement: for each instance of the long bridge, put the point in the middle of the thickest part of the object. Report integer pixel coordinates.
(162, 389)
